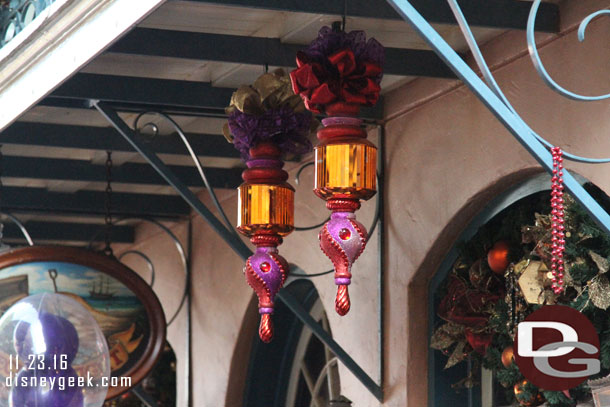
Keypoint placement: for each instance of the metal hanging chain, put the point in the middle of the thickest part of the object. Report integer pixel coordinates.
(344, 16)
(108, 204)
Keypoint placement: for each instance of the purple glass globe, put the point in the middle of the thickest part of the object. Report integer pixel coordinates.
(46, 388)
(51, 341)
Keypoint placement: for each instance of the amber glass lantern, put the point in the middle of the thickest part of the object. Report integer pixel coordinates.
(265, 121)
(336, 75)
(265, 208)
(265, 215)
(346, 162)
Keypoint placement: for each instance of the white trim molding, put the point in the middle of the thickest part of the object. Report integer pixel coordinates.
(61, 40)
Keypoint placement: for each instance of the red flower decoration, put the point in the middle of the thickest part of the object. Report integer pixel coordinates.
(465, 306)
(347, 82)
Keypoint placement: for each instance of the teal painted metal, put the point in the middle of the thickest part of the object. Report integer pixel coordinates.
(533, 50)
(235, 243)
(493, 85)
(503, 113)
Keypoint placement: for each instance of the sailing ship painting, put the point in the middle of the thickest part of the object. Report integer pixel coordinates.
(117, 310)
(101, 291)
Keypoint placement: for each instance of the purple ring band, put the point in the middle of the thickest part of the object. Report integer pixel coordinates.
(350, 121)
(343, 281)
(263, 162)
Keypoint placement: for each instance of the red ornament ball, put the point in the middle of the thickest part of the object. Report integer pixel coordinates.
(497, 257)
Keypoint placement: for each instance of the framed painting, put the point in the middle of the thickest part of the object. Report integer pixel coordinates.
(123, 304)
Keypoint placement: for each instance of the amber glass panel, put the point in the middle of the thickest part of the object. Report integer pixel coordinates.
(347, 169)
(265, 207)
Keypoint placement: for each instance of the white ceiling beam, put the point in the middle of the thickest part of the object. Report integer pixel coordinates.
(61, 40)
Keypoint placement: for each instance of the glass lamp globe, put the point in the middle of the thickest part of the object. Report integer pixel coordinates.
(52, 354)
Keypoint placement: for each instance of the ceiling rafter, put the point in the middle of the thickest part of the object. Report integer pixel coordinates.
(106, 138)
(128, 93)
(127, 173)
(510, 14)
(40, 200)
(260, 51)
(67, 232)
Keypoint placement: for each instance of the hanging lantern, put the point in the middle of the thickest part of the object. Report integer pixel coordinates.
(336, 75)
(267, 120)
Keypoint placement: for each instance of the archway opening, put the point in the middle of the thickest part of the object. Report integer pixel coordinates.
(295, 369)
(475, 303)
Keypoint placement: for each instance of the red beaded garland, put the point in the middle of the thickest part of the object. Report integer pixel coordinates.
(557, 228)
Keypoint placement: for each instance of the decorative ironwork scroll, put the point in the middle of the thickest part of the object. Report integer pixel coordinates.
(491, 95)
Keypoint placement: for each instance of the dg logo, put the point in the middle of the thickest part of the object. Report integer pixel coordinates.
(557, 348)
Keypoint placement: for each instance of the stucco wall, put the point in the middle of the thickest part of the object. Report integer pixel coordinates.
(446, 157)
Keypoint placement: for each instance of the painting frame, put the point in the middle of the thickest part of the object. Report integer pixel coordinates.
(113, 268)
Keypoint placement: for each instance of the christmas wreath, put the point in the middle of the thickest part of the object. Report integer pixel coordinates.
(502, 275)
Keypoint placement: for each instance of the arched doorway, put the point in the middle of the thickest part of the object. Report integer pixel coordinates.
(295, 369)
(443, 381)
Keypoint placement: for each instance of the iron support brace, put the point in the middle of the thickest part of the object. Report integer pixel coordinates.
(234, 242)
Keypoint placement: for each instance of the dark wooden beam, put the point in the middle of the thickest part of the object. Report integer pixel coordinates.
(39, 200)
(68, 232)
(106, 138)
(259, 51)
(144, 91)
(128, 173)
(511, 14)
(134, 94)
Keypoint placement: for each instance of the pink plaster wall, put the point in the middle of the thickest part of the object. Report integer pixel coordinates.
(446, 157)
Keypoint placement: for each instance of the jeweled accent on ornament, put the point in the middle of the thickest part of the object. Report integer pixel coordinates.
(345, 234)
(265, 267)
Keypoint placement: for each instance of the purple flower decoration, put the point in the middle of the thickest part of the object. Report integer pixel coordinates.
(284, 127)
(269, 111)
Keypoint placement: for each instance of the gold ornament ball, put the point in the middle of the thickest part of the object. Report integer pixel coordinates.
(507, 356)
(497, 257)
(535, 400)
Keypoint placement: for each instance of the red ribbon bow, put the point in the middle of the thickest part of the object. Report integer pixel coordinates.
(321, 90)
(466, 306)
